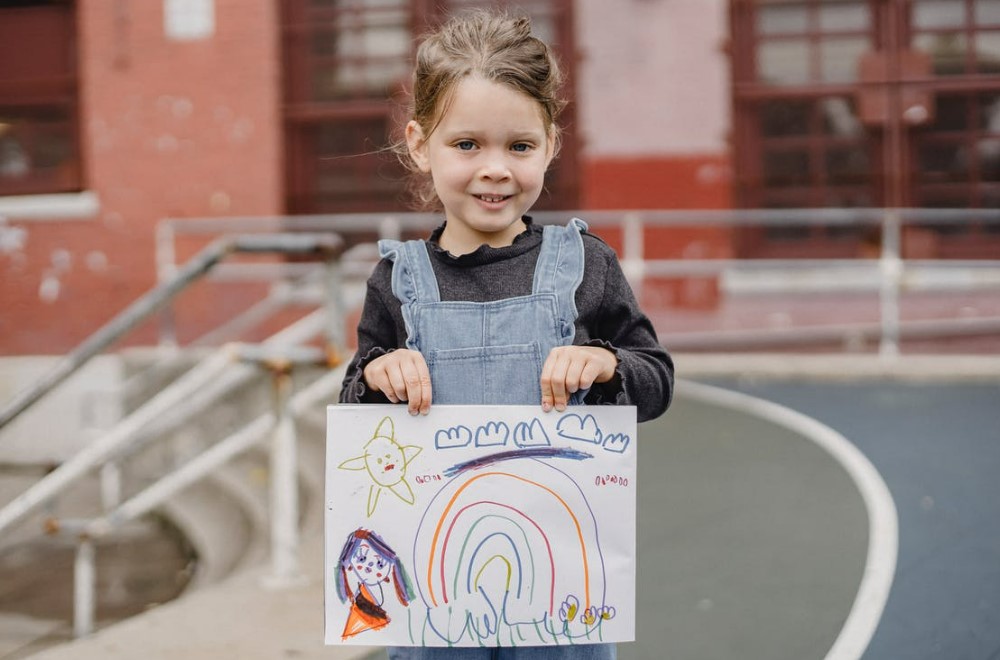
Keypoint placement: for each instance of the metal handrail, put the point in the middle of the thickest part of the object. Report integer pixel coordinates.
(892, 273)
(211, 378)
(154, 300)
(179, 402)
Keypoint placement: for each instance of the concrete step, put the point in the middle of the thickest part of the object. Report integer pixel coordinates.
(216, 525)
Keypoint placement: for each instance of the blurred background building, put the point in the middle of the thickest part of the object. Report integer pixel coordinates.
(116, 114)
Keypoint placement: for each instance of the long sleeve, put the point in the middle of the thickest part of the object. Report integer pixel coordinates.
(378, 334)
(610, 317)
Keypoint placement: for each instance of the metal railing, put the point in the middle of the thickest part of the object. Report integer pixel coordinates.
(221, 372)
(889, 274)
(337, 285)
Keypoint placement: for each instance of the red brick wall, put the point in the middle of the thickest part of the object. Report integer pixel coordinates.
(668, 182)
(169, 128)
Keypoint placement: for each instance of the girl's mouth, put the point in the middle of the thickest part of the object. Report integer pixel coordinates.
(493, 199)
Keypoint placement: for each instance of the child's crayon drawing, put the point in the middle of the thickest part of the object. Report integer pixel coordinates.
(510, 527)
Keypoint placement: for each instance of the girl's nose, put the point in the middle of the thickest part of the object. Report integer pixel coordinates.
(494, 169)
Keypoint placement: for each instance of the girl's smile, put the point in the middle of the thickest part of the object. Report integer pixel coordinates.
(487, 157)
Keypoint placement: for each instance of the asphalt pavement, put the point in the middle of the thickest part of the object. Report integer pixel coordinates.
(936, 443)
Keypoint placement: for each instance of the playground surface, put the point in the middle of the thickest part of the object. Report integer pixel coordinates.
(779, 517)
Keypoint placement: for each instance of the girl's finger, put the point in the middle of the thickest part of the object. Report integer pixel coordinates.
(425, 387)
(414, 378)
(557, 380)
(574, 375)
(548, 400)
(397, 382)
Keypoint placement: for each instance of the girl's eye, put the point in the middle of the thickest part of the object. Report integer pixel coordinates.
(521, 147)
(465, 145)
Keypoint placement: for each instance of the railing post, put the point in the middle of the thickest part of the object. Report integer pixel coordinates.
(284, 488)
(334, 303)
(284, 495)
(166, 269)
(84, 587)
(633, 261)
(111, 486)
(390, 227)
(891, 271)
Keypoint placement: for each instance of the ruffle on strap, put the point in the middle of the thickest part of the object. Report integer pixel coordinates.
(412, 275)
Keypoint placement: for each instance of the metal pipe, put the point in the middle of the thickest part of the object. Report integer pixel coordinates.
(214, 457)
(284, 489)
(151, 302)
(96, 452)
(336, 310)
(211, 378)
(891, 266)
(633, 260)
(111, 485)
(166, 270)
(84, 587)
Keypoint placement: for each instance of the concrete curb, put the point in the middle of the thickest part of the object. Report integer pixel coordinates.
(839, 367)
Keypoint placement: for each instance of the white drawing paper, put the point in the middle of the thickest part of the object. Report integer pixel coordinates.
(480, 526)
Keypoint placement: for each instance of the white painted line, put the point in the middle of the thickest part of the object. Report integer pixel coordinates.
(883, 527)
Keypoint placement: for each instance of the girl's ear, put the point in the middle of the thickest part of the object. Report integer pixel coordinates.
(550, 146)
(417, 145)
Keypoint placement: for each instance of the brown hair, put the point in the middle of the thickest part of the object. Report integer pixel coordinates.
(493, 46)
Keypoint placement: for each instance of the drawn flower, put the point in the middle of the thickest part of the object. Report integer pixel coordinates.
(589, 617)
(607, 612)
(569, 608)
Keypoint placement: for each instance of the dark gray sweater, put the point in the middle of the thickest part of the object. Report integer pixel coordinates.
(608, 316)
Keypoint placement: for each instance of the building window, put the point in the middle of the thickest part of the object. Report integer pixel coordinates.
(850, 103)
(346, 65)
(39, 132)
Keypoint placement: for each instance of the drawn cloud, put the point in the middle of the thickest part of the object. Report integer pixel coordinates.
(531, 434)
(456, 436)
(616, 442)
(583, 429)
(492, 434)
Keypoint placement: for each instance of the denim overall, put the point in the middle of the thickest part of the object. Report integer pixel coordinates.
(492, 353)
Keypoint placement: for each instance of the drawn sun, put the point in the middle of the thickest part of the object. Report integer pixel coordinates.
(386, 461)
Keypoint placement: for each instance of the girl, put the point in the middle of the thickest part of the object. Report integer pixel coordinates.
(372, 563)
(493, 309)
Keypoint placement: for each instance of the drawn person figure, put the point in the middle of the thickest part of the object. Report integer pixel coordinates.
(492, 308)
(372, 563)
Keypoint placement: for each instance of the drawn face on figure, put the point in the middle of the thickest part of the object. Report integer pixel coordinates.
(385, 461)
(369, 565)
(487, 157)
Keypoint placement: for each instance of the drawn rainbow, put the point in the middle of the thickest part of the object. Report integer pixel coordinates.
(488, 521)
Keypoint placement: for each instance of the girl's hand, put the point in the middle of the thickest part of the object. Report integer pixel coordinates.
(401, 375)
(569, 369)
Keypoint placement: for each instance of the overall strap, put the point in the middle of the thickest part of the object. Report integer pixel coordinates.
(413, 277)
(560, 265)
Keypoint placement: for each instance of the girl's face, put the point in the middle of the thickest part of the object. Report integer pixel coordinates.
(370, 567)
(487, 158)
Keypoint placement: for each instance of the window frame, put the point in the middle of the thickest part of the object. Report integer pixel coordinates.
(30, 97)
(894, 79)
(306, 117)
